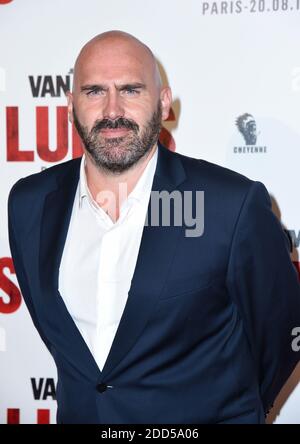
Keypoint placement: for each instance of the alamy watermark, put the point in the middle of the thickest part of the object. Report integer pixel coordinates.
(176, 208)
(296, 340)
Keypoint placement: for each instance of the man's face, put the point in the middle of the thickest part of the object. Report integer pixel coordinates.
(117, 105)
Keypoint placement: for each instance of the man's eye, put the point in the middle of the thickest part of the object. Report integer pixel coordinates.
(131, 91)
(94, 92)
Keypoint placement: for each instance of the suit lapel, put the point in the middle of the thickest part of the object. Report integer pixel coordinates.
(54, 227)
(158, 245)
(156, 251)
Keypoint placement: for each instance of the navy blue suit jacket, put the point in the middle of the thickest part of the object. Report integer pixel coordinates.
(205, 336)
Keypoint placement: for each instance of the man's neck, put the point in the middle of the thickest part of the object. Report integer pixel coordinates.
(102, 185)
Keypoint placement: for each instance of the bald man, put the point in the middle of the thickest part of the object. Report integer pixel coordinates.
(151, 314)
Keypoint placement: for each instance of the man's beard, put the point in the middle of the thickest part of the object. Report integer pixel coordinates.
(118, 154)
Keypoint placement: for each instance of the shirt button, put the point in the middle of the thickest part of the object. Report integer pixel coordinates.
(101, 388)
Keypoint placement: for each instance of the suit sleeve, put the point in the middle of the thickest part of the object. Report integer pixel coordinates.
(19, 264)
(264, 285)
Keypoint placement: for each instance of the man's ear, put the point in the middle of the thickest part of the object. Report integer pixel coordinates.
(166, 101)
(70, 106)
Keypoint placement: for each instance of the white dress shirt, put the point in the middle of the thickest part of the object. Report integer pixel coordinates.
(99, 259)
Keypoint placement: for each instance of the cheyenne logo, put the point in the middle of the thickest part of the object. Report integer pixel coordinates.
(246, 125)
(47, 85)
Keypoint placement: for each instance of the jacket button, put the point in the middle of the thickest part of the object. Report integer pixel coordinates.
(101, 388)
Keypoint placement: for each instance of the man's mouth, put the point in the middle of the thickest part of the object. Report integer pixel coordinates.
(114, 132)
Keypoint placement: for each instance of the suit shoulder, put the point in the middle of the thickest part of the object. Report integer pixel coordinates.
(40, 183)
(209, 174)
(224, 189)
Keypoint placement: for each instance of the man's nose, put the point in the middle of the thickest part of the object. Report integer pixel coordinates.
(113, 108)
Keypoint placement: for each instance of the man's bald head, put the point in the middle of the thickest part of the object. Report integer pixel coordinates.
(122, 45)
(118, 102)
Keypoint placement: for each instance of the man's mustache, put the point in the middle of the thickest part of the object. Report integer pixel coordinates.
(115, 124)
